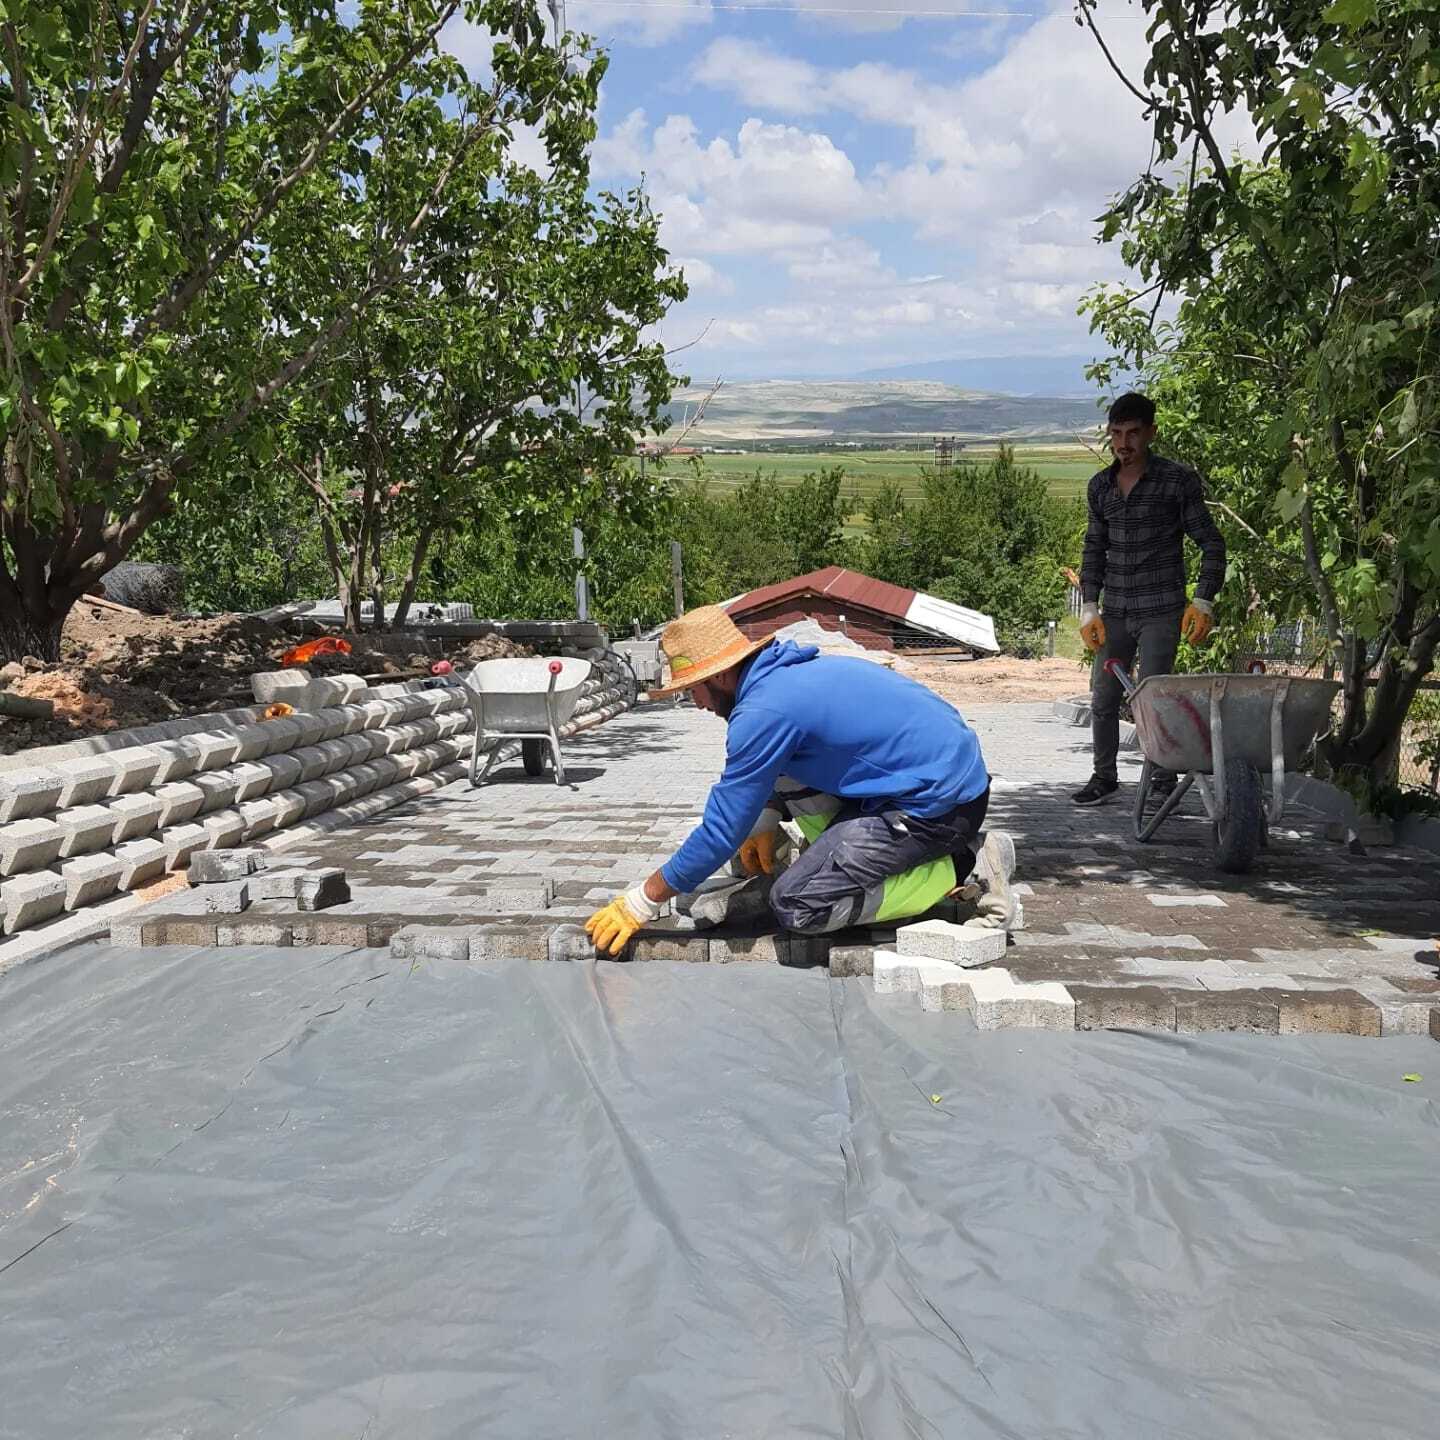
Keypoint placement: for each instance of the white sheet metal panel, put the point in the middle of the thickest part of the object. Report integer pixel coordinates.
(966, 627)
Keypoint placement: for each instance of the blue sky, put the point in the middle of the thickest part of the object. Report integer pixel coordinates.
(847, 189)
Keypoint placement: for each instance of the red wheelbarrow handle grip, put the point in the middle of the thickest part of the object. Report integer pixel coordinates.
(1122, 675)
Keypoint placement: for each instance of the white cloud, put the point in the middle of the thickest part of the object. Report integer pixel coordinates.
(702, 277)
(756, 75)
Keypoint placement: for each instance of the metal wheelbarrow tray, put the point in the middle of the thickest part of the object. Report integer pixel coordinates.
(1221, 732)
(525, 700)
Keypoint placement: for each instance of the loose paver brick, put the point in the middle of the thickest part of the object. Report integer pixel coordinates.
(940, 940)
(850, 960)
(229, 898)
(85, 829)
(140, 862)
(135, 815)
(179, 801)
(27, 900)
(320, 889)
(212, 867)
(84, 781)
(89, 878)
(29, 845)
(25, 794)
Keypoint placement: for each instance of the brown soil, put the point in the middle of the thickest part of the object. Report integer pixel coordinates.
(119, 669)
(999, 680)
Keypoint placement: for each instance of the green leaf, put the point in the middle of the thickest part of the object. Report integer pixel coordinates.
(1350, 13)
(1412, 1078)
(1327, 561)
(1306, 98)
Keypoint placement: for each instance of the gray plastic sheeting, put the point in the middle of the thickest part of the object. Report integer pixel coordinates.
(309, 1194)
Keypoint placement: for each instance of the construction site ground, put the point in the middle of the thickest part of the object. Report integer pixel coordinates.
(301, 1189)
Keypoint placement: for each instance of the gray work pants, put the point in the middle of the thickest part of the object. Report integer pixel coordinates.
(1155, 638)
(840, 878)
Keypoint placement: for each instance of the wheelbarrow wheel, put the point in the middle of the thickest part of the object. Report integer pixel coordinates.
(534, 756)
(1239, 836)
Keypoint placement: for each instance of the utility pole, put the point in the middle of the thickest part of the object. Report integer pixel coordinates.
(582, 585)
(677, 576)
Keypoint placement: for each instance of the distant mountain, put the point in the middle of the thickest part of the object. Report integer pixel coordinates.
(999, 374)
(856, 410)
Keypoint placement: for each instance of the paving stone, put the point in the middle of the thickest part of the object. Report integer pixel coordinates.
(178, 930)
(691, 948)
(252, 778)
(135, 769)
(767, 949)
(213, 750)
(896, 974)
(225, 829)
(287, 686)
(127, 932)
(176, 759)
(85, 780)
(181, 842)
(848, 960)
(1435, 1024)
(218, 867)
(940, 940)
(1319, 1012)
(260, 817)
(27, 900)
(1199, 970)
(320, 889)
(570, 942)
(270, 884)
(229, 898)
(89, 878)
(254, 932)
(518, 896)
(141, 861)
(179, 801)
(85, 829)
(219, 787)
(284, 771)
(289, 808)
(998, 1001)
(1123, 1007)
(510, 942)
(135, 815)
(29, 845)
(1256, 1012)
(1175, 902)
(25, 794)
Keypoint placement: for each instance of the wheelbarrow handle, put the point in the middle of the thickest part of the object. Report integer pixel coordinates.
(1122, 675)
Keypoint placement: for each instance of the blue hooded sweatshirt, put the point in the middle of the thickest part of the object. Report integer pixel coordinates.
(846, 727)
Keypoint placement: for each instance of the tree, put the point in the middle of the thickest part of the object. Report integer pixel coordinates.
(1308, 284)
(155, 174)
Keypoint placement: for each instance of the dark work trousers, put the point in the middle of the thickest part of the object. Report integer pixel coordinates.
(1156, 638)
(840, 878)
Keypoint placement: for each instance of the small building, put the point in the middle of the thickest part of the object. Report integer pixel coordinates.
(873, 613)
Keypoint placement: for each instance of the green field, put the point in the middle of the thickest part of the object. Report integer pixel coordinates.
(1066, 467)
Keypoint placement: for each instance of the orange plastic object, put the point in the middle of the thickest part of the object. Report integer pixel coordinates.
(278, 711)
(325, 645)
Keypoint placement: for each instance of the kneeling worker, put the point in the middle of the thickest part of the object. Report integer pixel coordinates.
(883, 779)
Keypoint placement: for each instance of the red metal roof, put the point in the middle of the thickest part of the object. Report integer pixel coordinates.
(838, 584)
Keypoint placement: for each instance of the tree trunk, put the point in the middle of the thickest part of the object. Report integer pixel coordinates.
(412, 580)
(28, 628)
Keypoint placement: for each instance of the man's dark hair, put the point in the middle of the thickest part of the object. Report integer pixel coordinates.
(1132, 406)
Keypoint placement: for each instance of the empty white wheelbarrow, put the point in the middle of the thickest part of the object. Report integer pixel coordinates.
(524, 700)
(1220, 732)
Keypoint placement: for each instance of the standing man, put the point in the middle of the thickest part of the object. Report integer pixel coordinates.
(1141, 507)
(882, 777)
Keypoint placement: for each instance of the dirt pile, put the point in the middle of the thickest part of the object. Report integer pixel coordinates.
(489, 647)
(998, 680)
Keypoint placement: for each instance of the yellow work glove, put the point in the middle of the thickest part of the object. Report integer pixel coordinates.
(1092, 627)
(613, 928)
(1197, 622)
(758, 853)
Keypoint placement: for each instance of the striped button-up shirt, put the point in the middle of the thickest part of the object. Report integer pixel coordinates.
(1134, 544)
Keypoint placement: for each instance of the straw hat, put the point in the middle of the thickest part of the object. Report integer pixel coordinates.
(702, 643)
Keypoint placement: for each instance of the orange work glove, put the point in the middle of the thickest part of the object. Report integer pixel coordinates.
(1197, 622)
(1092, 627)
(758, 853)
(614, 927)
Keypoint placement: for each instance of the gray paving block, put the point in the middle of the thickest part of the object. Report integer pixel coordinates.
(219, 867)
(135, 769)
(285, 770)
(570, 942)
(85, 829)
(213, 749)
(177, 759)
(1123, 1007)
(289, 808)
(219, 787)
(518, 896)
(284, 734)
(270, 884)
(251, 779)
(29, 845)
(30, 899)
(1254, 1011)
(179, 801)
(224, 829)
(182, 842)
(510, 942)
(89, 878)
(25, 794)
(128, 932)
(959, 944)
(288, 686)
(332, 720)
(140, 862)
(320, 889)
(226, 899)
(254, 931)
(135, 815)
(848, 960)
(253, 741)
(84, 781)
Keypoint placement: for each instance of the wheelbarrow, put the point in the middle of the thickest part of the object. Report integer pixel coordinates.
(1221, 732)
(525, 700)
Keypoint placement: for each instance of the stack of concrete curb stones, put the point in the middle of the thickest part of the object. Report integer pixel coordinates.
(1076, 711)
(84, 823)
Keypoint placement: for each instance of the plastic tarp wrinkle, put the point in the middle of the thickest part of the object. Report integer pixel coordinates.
(285, 1193)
